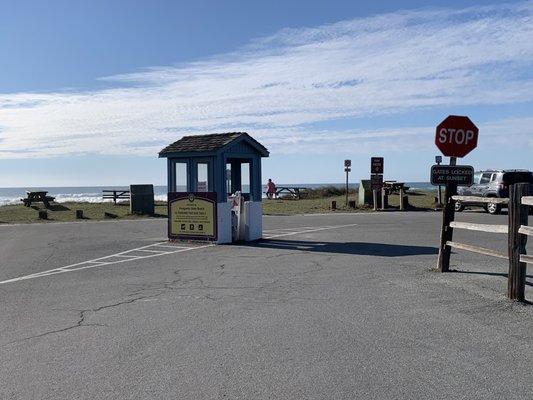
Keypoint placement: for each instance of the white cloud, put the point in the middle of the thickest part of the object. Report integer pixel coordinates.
(278, 86)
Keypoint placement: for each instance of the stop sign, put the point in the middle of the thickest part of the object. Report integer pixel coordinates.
(456, 136)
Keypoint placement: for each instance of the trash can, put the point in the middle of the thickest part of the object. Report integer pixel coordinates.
(142, 199)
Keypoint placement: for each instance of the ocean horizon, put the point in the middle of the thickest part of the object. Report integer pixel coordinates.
(93, 194)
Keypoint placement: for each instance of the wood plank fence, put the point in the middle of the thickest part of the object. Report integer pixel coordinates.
(517, 231)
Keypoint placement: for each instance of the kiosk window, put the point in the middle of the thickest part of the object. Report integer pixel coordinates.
(201, 182)
(181, 177)
(228, 178)
(245, 177)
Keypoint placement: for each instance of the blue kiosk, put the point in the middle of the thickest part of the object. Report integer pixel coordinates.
(214, 187)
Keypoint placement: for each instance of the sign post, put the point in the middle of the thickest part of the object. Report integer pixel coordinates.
(376, 181)
(456, 136)
(438, 161)
(347, 169)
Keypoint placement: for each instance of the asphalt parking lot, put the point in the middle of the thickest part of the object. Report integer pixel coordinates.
(325, 307)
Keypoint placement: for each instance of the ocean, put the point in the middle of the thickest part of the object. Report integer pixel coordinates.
(93, 194)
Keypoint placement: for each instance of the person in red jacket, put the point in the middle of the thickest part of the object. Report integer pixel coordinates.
(271, 189)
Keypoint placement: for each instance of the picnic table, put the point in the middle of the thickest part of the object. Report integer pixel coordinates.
(393, 187)
(116, 194)
(37, 196)
(294, 191)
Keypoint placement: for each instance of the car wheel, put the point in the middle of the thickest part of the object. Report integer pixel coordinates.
(493, 208)
(459, 206)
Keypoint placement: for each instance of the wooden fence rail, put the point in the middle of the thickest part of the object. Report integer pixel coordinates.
(516, 229)
(478, 249)
(527, 200)
(493, 200)
(480, 227)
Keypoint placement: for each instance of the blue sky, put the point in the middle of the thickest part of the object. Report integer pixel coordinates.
(90, 91)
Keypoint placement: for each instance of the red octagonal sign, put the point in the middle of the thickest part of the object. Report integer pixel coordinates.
(456, 136)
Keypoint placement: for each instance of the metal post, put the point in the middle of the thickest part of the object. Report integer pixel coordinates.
(346, 186)
(439, 199)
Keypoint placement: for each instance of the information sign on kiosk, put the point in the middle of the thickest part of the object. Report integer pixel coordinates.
(192, 216)
(210, 169)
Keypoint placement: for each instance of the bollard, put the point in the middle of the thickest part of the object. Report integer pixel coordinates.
(333, 205)
(79, 214)
(43, 214)
(405, 200)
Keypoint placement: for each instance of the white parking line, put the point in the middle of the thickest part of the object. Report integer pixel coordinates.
(103, 261)
(170, 247)
(323, 228)
(153, 251)
(97, 262)
(126, 256)
(294, 229)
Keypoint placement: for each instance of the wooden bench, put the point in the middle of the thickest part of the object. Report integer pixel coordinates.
(37, 196)
(116, 195)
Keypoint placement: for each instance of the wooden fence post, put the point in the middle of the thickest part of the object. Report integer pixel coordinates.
(446, 233)
(518, 215)
(402, 205)
(448, 216)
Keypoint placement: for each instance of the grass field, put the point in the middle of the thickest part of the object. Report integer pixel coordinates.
(417, 201)
(67, 212)
(96, 211)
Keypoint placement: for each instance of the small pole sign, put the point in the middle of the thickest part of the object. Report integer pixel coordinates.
(376, 181)
(376, 165)
(347, 169)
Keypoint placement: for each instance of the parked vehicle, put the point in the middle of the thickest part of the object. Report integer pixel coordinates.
(493, 184)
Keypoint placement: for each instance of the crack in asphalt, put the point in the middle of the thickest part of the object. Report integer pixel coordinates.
(81, 320)
(181, 283)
